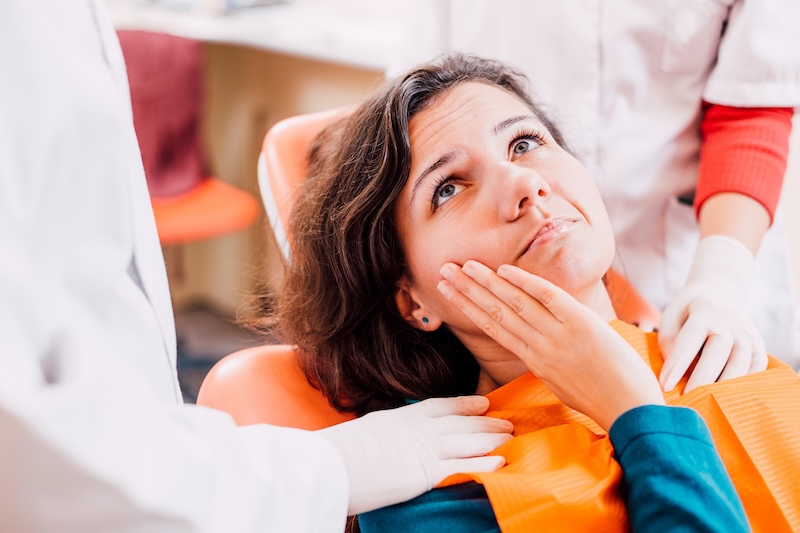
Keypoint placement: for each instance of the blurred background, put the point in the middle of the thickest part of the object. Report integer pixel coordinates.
(238, 67)
(202, 105)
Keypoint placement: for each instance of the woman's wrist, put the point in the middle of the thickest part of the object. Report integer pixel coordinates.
(624, 409)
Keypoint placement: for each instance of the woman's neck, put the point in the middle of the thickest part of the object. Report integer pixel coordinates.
(500, 366)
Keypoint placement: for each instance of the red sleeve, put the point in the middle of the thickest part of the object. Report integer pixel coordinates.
(744, 150)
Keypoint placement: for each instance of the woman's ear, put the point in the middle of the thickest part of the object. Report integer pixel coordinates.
(412, 309)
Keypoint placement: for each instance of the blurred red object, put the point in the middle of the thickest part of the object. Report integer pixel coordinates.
(165, 74)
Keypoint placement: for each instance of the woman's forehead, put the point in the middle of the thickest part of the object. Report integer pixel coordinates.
(469, 104)
(466, 114)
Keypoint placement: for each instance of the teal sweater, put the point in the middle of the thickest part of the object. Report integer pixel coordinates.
(673, 480)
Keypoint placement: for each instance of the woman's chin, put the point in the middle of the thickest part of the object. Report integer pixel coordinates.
(577, 278)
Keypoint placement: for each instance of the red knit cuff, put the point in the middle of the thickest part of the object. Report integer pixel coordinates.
(744, 150)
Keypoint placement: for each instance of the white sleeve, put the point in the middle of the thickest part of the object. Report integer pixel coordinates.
(758, 63)
(86, 447)
(91, 436)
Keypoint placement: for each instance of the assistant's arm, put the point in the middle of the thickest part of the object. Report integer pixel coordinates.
(742, 165)
(674, 479)
(748, 100)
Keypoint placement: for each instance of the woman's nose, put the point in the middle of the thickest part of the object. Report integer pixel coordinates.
(519, 189)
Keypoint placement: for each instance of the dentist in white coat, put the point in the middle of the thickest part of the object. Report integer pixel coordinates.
(93, 436)
(629, 81)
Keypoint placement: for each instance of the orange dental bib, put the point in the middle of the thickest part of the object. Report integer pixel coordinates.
(561, 474)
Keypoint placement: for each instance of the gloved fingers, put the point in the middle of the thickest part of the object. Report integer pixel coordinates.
(687, 345)
(486, 463)
(459, 405)
(672, 319)
(454, 425)
(713, 358)
(473, 445)
(740, 361)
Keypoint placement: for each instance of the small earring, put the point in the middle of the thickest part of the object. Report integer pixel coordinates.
(424, 320)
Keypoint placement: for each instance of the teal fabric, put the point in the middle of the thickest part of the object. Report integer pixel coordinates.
(673, 480)
(463, 508)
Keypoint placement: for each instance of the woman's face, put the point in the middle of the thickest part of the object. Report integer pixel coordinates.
(489, 183)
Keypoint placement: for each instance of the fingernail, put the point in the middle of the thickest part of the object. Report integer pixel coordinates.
(445, 289)
(468, 269)
(447, 272)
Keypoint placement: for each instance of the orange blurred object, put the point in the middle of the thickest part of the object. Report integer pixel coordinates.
(210, 209)
(165, 74)
(265, 384)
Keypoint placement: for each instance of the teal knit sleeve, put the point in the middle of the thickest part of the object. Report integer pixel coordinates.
(463, 508)
(674, 480)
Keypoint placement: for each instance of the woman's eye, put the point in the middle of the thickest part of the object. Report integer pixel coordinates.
(445, 191)
(524, 145)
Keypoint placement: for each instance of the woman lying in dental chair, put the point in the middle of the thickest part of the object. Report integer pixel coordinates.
(447, 244)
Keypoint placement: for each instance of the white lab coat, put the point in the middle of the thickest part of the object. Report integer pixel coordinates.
(92, 434)
(624, 79)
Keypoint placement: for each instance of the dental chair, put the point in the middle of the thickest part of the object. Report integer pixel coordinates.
(265, 384)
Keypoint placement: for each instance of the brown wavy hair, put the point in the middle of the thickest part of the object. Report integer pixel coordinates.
(337, 303)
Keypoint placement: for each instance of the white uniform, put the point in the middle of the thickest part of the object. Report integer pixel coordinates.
(92, 436)
(625, 79)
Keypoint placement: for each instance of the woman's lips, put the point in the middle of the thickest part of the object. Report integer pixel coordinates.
(550, 231)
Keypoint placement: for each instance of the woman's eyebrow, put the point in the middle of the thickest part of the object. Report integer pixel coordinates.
(446, 158)
(507, 123)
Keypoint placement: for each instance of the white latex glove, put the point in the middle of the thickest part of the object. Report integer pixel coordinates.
(394, 455)
(710, 315)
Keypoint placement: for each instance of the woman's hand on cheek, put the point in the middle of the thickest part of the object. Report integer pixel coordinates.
(569, 347)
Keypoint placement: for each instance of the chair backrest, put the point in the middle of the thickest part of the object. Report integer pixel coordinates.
(282, 165)
(265, 384)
